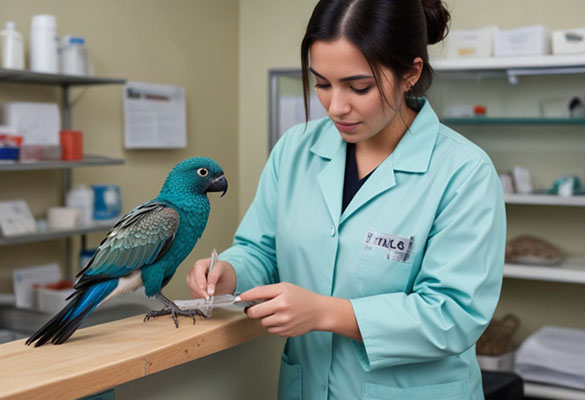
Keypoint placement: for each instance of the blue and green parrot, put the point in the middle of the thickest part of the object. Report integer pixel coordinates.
(144, 248)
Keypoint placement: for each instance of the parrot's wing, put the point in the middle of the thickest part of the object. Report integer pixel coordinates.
(139, 238)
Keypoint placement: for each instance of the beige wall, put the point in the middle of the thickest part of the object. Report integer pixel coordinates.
(181, 42)
(274, 42)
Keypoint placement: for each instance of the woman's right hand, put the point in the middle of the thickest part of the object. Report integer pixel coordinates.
(221, 281)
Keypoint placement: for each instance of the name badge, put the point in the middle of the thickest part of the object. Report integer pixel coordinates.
(397, 248)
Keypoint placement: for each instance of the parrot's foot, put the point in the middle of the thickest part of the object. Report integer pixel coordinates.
(174, 310)
(174, 313)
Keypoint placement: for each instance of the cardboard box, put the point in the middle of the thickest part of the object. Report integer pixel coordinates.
(569, 41)
(471, 43)
(526, 41)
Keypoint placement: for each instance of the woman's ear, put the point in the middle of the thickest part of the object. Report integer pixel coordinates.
(412, 77)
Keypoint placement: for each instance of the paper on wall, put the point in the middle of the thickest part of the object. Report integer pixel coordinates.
(154, 116)
(291, 111)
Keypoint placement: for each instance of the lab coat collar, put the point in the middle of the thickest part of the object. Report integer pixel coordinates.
(413, 153)
(329, 142)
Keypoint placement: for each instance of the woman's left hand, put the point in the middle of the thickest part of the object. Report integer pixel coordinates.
(289, 310)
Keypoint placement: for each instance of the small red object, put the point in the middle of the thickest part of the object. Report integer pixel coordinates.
(480, 110)
(13, 140)
(60, 285)
(72, 144)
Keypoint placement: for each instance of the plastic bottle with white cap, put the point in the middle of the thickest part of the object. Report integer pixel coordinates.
(44, 44)
(12, 47)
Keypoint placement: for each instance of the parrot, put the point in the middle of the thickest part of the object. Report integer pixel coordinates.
(144, 248)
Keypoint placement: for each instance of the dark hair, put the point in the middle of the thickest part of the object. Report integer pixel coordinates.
(389, 33)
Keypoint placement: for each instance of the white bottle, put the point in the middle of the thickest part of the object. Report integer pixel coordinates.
(73, 56)
(44, 44)
(81, 198)
(12, 48)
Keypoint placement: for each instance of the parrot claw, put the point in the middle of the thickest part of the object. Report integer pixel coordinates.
(172, 309)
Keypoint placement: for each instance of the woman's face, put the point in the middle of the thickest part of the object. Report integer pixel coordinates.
(347, 90)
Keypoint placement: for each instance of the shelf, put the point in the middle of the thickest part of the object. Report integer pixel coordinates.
(545, 200)
(571, 271)
(537, 64)
(23, 76)
(55, 234)
(513, 121)
(88, 161)
(542, 391)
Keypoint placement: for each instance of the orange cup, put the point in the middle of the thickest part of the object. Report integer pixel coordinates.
(72, 144)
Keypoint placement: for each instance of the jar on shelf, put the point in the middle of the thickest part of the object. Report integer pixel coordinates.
(73, 56)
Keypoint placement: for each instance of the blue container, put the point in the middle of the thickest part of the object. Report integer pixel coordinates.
(9, 153)
(107, 203)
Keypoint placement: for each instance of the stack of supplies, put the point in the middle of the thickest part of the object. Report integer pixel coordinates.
(553, 355)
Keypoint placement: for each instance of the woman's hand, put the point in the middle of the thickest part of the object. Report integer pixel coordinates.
(289, 310)
(221, 281)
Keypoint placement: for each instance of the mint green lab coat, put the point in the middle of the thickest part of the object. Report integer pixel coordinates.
(419, 251)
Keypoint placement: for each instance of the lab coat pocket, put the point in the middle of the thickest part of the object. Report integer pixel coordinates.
(378, 275)
(444, 391)
(290, 380)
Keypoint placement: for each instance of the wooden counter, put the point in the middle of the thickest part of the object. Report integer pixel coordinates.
(102, 356)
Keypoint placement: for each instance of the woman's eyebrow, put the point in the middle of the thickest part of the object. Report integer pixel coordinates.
(349, 78)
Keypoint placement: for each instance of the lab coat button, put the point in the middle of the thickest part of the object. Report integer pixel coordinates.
(332, 231)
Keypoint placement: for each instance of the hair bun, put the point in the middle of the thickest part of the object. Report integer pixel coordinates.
(437, 18)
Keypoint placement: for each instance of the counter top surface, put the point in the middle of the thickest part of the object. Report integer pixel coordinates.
(102, 356)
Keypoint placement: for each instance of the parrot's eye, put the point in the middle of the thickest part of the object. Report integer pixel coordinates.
(202, 172)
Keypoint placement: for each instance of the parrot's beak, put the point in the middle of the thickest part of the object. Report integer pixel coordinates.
(219, 184)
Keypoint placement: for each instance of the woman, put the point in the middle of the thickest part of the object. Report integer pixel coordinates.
(377, 234)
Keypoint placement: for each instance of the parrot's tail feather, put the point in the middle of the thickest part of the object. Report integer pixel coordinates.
(82, 303)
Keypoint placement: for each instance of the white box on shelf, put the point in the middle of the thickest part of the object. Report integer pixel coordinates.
(568, 41)
(471, 43)
(522, 180)
(51, 300)
(503, 362)
(24, 279)
(525, 41)
(37, 123)
(16, 218)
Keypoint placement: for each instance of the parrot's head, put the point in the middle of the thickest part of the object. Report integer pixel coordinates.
(197, 175)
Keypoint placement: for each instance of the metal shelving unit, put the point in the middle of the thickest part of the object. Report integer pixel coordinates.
(55, 234)
(65, 82)
(571, 270)
(89, 160)
(545, 200)
(513, 121)
(38, 78)
(510, 67)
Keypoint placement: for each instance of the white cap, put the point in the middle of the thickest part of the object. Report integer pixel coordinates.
(44, 20)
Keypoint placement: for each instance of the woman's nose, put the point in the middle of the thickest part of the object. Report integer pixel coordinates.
(339, 104)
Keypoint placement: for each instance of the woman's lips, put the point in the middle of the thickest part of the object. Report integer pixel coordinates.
(346, 127)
